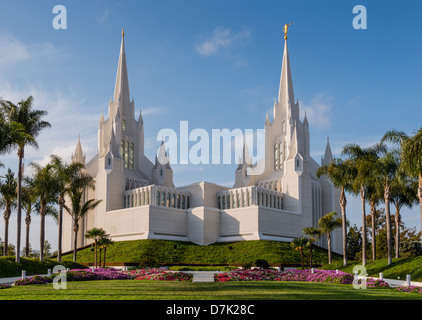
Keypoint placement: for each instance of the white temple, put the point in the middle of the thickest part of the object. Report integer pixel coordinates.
(140, 201)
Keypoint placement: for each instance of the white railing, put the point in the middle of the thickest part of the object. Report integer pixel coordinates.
(158, 196)
(249, 196)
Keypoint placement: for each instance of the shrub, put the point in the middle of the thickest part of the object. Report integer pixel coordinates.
(247, 265)
(262, 264)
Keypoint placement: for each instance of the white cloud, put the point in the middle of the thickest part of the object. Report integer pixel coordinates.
(13, 51)
(318, 110)
(220, 38)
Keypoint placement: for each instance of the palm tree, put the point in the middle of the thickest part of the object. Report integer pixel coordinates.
(96, 234)
(300, 244)
(8, 201)
(32, 123)
(30, 204)
(104, 243)
(313, 234)
(374, 198)
(78, 209)
(45, 187)
(327, 224)
(64, 174)
(363, 160)
(385, 171)
(403, 193)
(342, 174)
(411, 156)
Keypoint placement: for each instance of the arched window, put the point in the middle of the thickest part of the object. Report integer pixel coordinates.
(131, 156)
(122, 148)
(127, 154)
(124, 125)
(158, 198)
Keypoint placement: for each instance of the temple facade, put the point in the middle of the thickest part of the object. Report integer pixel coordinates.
(140, 200)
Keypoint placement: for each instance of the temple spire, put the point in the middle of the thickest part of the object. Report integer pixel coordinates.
(121, 88)
(286, 94)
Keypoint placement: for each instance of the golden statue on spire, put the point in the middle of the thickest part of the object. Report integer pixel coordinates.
(285, 29)
(123, 32)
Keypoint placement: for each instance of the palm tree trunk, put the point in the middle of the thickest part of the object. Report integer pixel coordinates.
(310, 255)
(397, 220)
(362, 198)
(343, 203)
(105, 250)
(420, 198)
(6, 231)
(329, 247)
(374, 237)
(19, 205)
(95, 253)
(388, 223)
(99, 263)
(60, 223)
(75, 240)
(301, 258)
(28, 224)
(42, 233)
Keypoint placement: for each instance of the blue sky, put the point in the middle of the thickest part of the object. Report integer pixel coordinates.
(217, 65)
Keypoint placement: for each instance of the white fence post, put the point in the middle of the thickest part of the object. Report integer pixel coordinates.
(49, 272)
(23, 274)
(408, 280)
(381, 276)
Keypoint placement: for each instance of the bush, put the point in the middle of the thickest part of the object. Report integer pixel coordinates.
(262, 264)
(148, 261)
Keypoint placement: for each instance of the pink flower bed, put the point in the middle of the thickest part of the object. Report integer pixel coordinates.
(159, 274)
(324, 276)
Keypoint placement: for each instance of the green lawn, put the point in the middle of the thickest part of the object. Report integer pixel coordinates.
(167, 290)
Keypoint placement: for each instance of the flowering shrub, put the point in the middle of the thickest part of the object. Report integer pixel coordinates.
(159, 274)
(4, 286)
(77, 275)
(325, 276)
(412, 289)
(376, 283)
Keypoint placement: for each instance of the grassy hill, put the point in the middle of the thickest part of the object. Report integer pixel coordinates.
(9, 268)
(185, 253)
(399, 268)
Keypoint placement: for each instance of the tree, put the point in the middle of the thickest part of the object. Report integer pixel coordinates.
(32, 123)
(354, 241)
(45, 187)
(78, 209)
(64, 174)
(327, 224)
(385, 170)
(300, 244)
(8, 201)
(30, 204)
(363, 159)
(342, 174)
(374, 198)
(313, 234)
(96, 234)
(403, 193)
(104, 243)
(411, 156)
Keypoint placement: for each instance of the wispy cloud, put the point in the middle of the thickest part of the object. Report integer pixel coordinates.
(220, 39)
(318, 110)
(13, 51)
(151, 111)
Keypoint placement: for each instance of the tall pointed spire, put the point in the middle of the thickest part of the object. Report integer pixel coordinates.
(328, 155)
(286, 94)
(79, 156)
(121, 88)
